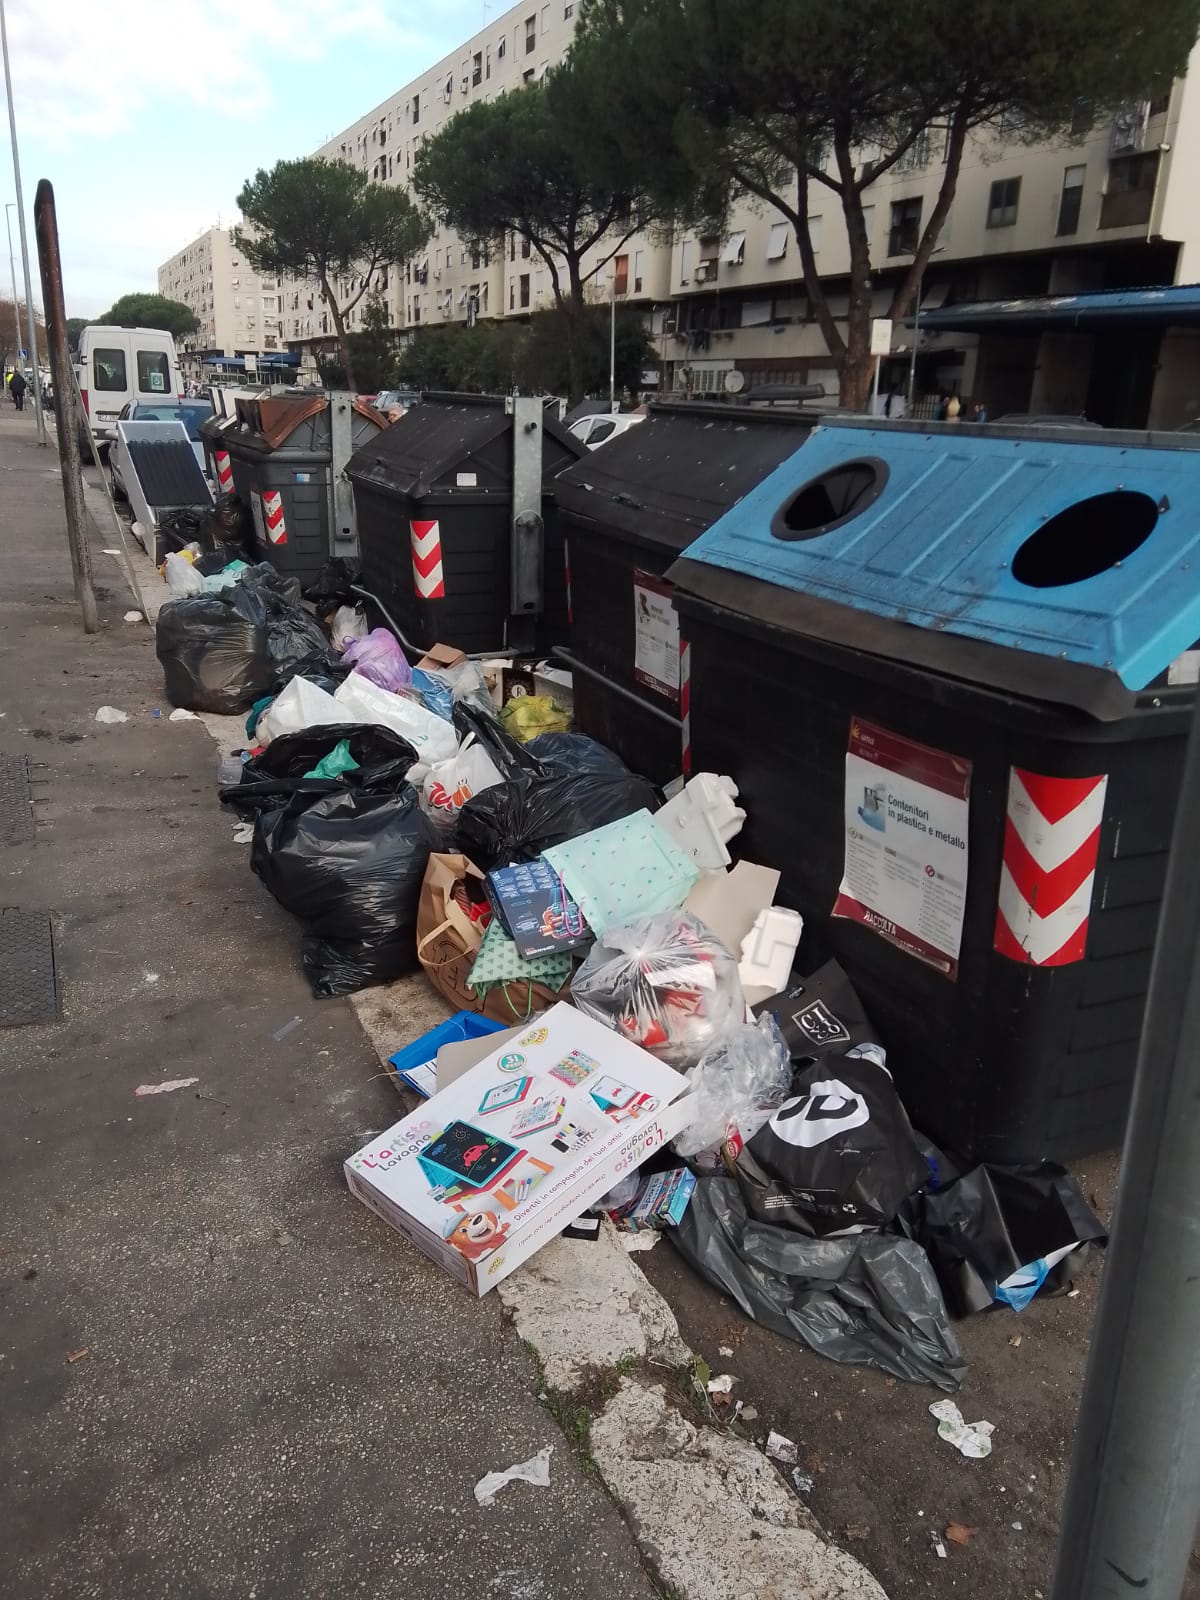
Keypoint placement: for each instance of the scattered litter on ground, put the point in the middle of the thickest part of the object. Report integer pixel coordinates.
(536, 1471)
(1018, 1527)
(1015, 1341)
(107, 552)
(243, 832)
(635, 1242)
(721, 1385)
(77, 1355)
(168, 1086)
(724, 1349)
(111, 714)
(959, 1533)
(973, 1439)
(150, 977)
(804, 1481)
(939, 1549)
(288, 1027)
(181, 714)
(857, 1531)
(781, 1448)
(1072, 1294)
(134, 616)
(749, 1413)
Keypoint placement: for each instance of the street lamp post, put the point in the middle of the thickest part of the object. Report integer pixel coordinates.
(12, 129)
(12, 267)
(912, 360)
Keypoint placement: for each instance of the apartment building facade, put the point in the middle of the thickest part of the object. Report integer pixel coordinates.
(239, 310)
(1111, 204)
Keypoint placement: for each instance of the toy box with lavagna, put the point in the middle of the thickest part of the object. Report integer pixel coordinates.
(497, 1163)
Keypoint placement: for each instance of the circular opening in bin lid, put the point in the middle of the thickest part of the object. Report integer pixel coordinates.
(1086, 539)
(826, 502)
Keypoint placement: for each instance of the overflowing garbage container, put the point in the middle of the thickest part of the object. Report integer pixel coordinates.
(285, 455)
(951, 675)
(457, 522)
(627, 511)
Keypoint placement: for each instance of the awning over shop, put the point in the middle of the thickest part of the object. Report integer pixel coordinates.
(1176, 305)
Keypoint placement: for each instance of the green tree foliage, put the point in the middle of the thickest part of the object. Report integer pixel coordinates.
(532, 164)
(9, 343)
(148, 311)
(326, 221)
(75, 326)
(495, 357)
(788, 101)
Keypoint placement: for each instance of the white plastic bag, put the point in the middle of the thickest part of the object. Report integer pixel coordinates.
(363, 701)
(736, 1086)
(348, 622)
(181, 576)
(448, 785)
(298, 706)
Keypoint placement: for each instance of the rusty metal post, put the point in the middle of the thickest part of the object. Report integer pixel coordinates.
(45, 225)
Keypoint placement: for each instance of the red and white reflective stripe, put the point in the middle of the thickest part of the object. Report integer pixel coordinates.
(567, 572)
(224, 471)
(429, 579)
(1051, 840)
(685, 703)
(272, 505)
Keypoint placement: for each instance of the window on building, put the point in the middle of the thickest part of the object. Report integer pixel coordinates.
(685, 261)
(476, 258)
(416, 309)
(917, 154)
(524, 290)
(531, 34)
(527, 76)
(1070, 200)
(735, 249)
(512, 294)
(109, 371)
(525, 249)
(545, 20)
(437, 259)
(501, 48)
(416, 108)
(487, 63)
(477, 67)
(539, 284)
(639, 259)
(816, 231)
(905, 227)
(1160, 103)
(1129, 192)
(1002, 202)
(778, 242)
(568, 9)
(620, 274)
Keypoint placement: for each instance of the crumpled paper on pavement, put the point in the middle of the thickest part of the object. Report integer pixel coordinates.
(974, 1439)
(536, 1471)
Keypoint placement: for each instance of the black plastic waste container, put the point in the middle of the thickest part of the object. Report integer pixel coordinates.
(281, 458)
(213, 430)
(628, 509)
(942, 668)
(435, 504)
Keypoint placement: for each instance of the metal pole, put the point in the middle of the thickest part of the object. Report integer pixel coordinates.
(612, 343)
(46, 225)
(12, 129)
(912, 360)
(875, 387)
(1129, 1521)
(12, 267)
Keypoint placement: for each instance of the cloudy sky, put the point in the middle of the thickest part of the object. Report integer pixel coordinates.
(147, 115)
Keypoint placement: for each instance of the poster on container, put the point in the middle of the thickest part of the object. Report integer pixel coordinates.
(906, 843)
(655, 635)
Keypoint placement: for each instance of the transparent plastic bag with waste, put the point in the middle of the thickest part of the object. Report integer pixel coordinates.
(736, 1085)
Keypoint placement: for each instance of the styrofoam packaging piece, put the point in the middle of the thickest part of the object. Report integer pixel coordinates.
(433, 739)
(297, 706)
(702, 818)
(496, 1165)
(768, 951)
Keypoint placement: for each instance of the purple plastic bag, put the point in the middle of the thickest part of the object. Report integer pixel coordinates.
(380, 658)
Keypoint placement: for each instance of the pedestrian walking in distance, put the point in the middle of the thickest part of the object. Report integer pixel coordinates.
(16, 387)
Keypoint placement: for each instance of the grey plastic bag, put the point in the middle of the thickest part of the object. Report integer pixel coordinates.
(870, 1299)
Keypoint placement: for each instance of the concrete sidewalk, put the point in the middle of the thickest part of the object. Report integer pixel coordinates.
(276, 1398)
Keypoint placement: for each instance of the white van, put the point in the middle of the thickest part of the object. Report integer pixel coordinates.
(117, 366)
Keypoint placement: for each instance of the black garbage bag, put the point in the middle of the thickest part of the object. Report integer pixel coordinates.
(870, 1299)
(278, 772)
(186, 525)
(510, 755)
(574, 752)
(350, 866)
(233, 528)
(994, 1223)
(520, 819)
(839, 1153)
(821, 1015)
(331, 587)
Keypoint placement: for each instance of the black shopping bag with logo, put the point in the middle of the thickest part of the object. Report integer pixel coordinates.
(838, 1155)
(820, 1015)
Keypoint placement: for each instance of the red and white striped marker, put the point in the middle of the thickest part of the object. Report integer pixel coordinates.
(224, 471)
(685, 703)
(429, 579)
(272, 505)
(1051, 840)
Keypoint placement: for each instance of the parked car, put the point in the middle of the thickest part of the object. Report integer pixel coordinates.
(387, 398)
(190, 412)
(602, 426)
(123, 366)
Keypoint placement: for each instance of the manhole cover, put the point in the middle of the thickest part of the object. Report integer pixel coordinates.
(16, 801)
(28, 980)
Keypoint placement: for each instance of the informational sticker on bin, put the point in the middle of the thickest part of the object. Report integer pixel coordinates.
(905, 874)
(655, 635)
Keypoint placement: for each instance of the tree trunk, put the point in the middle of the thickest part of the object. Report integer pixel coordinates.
(574, 319)
(339, 328)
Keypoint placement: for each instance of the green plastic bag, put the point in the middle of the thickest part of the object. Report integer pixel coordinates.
(338, 760)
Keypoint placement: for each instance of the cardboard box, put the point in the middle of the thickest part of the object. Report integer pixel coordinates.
(441, 655)
(496, 1165)
(660, 1202)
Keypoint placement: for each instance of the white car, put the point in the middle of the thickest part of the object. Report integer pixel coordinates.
(598, 429)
